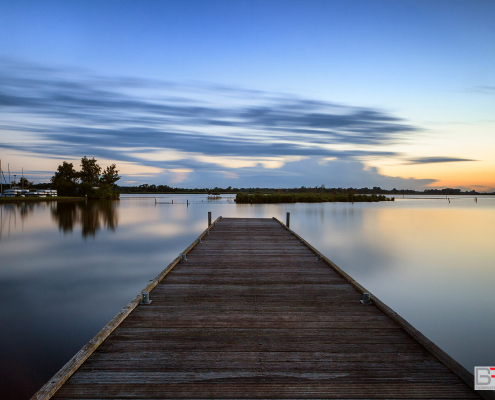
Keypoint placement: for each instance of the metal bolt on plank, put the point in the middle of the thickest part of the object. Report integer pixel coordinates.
(366, 299)
(145, 298)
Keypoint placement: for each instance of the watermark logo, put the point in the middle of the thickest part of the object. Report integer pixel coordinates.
(484, 378)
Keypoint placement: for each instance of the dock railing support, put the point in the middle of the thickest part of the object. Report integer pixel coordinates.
(288, 220)
(209, 218)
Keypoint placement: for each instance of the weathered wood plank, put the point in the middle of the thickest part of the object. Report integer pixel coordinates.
(264, 387)
(50, 388)
(253, 313)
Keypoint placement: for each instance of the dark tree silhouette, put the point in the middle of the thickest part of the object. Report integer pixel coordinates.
(89, 175)
(110, 176)
(24, 183)
(88, 182)
(65, 179)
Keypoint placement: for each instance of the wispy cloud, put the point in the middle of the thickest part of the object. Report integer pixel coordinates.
(70, 109)
(484, 89)
(435, 160)
(194, 130)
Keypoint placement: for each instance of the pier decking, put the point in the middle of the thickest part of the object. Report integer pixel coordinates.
(253, 312)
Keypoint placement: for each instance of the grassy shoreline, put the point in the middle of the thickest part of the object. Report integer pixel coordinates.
(6, 200)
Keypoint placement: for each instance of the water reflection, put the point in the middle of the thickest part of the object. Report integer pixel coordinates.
(91, 215)
(413, 254)
(9, 214)
(11, 210)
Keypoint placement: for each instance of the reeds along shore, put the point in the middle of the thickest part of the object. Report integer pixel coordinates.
(259, 198)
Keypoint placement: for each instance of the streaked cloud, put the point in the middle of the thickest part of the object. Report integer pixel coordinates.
(72, 109)
(435, 160)
(183, 131)
(485, 89)
(310, 173)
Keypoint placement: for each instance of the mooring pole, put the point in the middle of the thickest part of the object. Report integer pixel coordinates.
(209, 218)
(288, 220)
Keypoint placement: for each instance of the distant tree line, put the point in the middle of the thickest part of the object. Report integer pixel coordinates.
(146, 188)
(91, 181)
(70, 182)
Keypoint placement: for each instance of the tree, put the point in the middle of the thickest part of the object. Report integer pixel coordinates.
(24, 183)
(89, 176)
(88, 181)
(64, 180)
(90, 172)
(110, 176)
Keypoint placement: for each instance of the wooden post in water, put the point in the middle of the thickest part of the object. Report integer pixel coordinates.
(187, 202)
(209, 218)
(288, 220)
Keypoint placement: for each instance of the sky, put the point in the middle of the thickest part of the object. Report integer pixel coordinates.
(351, 93)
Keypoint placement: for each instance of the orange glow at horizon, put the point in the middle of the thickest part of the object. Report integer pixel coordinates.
(477, 175)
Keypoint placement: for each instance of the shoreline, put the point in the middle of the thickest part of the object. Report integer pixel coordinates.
(8, 200)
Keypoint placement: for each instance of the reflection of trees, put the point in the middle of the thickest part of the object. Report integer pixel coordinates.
(65, 213)
(91, 214)
(23, 209)
(9, 213)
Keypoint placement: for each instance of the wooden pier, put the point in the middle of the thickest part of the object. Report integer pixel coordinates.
(253, 311)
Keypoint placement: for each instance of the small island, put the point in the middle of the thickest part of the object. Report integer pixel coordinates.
(260, 198)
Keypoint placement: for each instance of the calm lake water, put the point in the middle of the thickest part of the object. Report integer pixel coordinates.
(66, 269)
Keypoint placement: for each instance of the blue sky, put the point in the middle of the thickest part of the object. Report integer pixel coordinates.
(252, 93)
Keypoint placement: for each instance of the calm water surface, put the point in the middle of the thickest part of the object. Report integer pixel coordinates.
(66, 269)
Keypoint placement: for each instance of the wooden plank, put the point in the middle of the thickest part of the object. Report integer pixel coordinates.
(51, 387)
(253, 313)
(443, 357)
(263, 387)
